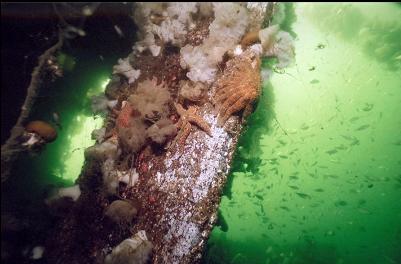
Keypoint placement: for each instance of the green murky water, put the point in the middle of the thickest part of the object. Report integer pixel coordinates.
(317, 177)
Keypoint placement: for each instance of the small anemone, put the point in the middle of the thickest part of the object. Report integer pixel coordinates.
(161, 131)
(121, 212)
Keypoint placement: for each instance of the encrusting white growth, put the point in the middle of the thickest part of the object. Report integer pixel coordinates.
(37, 252)
(257, 49)
(72, 192)
(277, 43)
(238, 50)
(102, 151)
(148, 43)
(226, 30)
(112, 176)
(124, 67)
(284, 49)
(135, 250)
(266, 74)
(267, 37)
(127, 176)
(99, 134)
(191, 91)
(258, 11)
(33, 139)
(168, 22)
(100, 104)
(183, 230)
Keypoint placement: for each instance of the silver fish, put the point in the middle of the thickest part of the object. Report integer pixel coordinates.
(331, 152)
(56, 119)
(119, 31)
(304, 195)
(362, 127)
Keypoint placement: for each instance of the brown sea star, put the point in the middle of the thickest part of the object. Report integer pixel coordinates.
(187, 119)
(239, 86)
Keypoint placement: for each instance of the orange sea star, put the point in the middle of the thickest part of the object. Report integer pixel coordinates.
(239, 86)
(184, 124)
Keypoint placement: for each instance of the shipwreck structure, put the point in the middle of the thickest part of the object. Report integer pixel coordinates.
(175, 109)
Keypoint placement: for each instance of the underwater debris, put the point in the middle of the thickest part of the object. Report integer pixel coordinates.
(135, 250)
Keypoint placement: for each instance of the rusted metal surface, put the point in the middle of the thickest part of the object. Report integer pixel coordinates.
(181, 191)
(178, 190)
